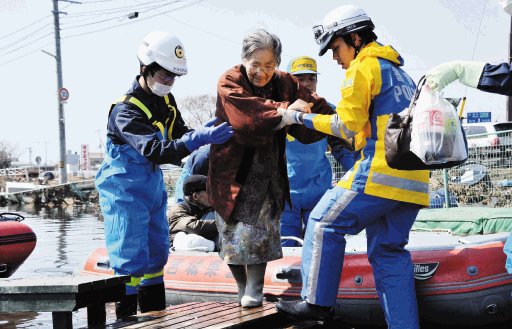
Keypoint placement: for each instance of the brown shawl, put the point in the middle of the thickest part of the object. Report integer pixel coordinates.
(253, 119)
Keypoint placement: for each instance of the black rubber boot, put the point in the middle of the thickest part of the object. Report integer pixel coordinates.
(302, 310)
(151, 298)
(126, 306)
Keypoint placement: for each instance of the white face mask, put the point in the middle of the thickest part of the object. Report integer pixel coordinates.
(507, 5)
(158, 88)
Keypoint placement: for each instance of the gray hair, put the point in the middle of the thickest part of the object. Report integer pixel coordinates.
(261, 39)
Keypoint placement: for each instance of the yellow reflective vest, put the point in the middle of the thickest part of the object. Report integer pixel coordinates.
(375, 86)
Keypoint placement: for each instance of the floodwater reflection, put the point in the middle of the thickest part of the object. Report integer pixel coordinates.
(65, 237)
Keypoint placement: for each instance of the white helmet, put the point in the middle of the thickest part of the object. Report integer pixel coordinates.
(507, 6)
(164, 49)
(340, 21)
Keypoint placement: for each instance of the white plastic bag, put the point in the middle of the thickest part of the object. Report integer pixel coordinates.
(436, 135)
(187, 242)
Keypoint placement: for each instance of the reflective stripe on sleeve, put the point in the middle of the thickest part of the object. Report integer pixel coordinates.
(399, 182)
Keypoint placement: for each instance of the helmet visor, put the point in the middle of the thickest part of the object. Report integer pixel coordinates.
(321, 35)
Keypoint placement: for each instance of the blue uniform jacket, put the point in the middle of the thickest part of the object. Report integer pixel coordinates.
(496, 79)
(127, 124)
(198, 161)
(309, 169)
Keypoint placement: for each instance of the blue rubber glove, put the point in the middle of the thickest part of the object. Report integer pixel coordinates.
(208, 134)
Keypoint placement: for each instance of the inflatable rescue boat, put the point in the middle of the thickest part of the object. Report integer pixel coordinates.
(459, 267)
(17, 241)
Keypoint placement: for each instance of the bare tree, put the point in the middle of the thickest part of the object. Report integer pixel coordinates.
(197, 110)
(7, 155)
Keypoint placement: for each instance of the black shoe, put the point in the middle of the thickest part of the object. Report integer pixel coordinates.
(151, 298)
(126, 306)
(302, 310)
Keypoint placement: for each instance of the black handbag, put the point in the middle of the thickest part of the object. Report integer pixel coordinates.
(397, 140)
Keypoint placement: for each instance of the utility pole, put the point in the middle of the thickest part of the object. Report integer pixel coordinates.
(101, 143)
(30, 155)
(509, 101)
(63, 176)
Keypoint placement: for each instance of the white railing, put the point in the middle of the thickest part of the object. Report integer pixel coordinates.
(21, 171)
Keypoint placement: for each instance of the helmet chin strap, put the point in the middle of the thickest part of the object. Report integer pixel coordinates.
(357, 50)
(353, 45)
(143, 69)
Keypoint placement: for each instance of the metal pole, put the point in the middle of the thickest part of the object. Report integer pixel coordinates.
(509, 102)
(446, 189)
(63, 176)
(45, 155)
(101, 143)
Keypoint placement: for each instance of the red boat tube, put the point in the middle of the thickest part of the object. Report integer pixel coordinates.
(460, 281)
(17, 241)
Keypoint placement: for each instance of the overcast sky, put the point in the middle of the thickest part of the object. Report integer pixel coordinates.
(99, 46)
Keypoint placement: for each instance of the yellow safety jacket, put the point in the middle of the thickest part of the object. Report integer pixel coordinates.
(165, 134)
(375, 86)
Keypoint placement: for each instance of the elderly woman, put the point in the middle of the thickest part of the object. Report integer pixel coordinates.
(248, 182)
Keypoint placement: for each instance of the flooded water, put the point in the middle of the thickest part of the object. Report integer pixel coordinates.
(65, 237)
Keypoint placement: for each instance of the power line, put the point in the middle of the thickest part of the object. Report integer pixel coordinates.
(201, 30)
(117, 9)
(24, 55)
(32, 34)
(76, 18)
(23, 28)
(476, 39)
(478, 32)
(144, 8)
(19, 46)
(26, 36)
(96, 22)
(131, 22)
(198, 29)
(124, 15)
(97, 1)
(25, 45)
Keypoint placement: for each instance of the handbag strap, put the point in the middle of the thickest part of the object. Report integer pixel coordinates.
(416, 95)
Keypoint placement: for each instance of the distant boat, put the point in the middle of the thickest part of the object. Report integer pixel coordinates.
(461, 279)
(14, 187)
(17, 241)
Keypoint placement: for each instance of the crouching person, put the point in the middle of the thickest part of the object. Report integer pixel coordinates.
(191, 216)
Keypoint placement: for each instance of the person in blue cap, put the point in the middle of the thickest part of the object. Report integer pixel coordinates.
(309, 169)
(145, 129)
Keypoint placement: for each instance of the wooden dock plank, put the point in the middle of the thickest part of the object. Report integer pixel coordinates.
(171, 316)
(232, 320)
(214, 316)
(200, 315)
(62, 295)
(183, 319)
(145, 317)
